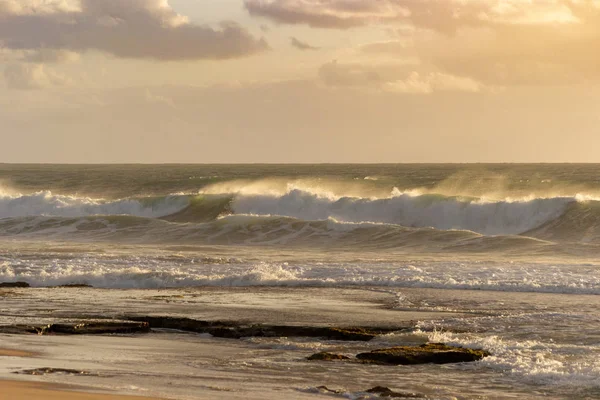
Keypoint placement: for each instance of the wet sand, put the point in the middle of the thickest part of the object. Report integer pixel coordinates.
(15, 353)
(183, 365)
(16, 390)
(25, 390)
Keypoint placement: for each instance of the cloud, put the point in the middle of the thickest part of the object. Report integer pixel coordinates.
(158, 99)
(33, 76)
(337, 74)
(433, 82)
(147, 29)
(394, 78)
(494, 42)
(439, 15)
(300, 45)
(519, 55)
(340, 14)
(50, 56)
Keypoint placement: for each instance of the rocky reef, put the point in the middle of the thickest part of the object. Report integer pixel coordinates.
(324, 356)
(235, 330)
(14, 285)
(430, 353)
(84, 328)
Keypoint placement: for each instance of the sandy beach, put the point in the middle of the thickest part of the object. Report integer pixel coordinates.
(174, 364)
(182, 363)
(26, 390)
(15, 353)
(17, 390)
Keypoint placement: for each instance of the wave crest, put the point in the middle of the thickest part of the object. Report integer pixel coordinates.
(48, 204)
(410, 210)
(557, 218)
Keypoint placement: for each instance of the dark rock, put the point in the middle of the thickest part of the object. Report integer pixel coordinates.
(75, 285)
(22, 329)
(49, 371)
(431, 353)
(326, 389)
(350, 334)
(233, 330)
(99, 328)
(324, 356)
(383, 391)
(182, 324)
(88, 328)
(347, 334)
(14, 285)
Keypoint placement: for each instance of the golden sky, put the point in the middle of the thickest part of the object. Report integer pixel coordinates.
(202, 81)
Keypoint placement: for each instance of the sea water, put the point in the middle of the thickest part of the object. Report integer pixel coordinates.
(513, 248)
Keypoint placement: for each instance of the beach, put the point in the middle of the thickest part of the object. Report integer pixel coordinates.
(181, 363)
(15, 390)
(185, 365)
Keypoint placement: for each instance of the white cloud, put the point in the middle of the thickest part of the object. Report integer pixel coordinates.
(32, 7)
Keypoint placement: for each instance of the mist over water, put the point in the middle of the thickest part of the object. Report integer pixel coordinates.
(335, 204)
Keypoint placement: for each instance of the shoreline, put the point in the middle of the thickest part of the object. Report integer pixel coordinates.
(257, 343)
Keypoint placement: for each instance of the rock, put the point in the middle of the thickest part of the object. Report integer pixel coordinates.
(182, 324)
(324, 356)
(346, 334)
(49, 371)
(234, 330)
(383, 391)
(326, 389)
(88, 328)
(14, 285)
(75, 285)
(431, 353)
(99, 328)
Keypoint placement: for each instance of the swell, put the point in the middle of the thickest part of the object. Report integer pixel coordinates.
(249, 230)
(579, 223)
(303, 216)
(419, 211)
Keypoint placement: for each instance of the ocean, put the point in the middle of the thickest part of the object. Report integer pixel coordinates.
(509, 251)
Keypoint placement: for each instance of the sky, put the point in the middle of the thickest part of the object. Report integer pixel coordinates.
(299, 81)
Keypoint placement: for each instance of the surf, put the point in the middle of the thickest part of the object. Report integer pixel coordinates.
(309, 216)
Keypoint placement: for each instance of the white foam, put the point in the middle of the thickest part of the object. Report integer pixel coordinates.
(486, 217)
(155, 272)
(531, 361)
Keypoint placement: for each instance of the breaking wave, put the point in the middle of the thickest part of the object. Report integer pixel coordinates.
(302, 216)
(48, 204)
